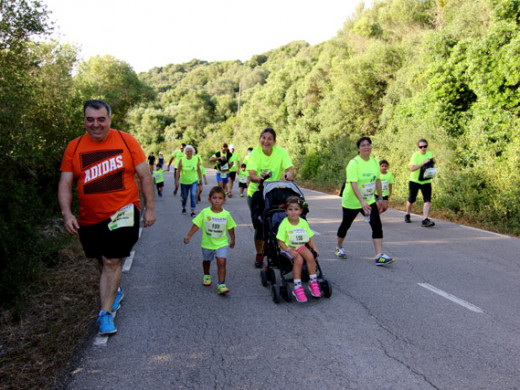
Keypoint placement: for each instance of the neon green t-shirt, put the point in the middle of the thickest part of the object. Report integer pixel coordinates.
(386, 180)
(419, 158)
(158, 175)
(235, 158)
(189, 174)
(177, 155)
(242, 176)
(277, 163)
(214, 227)
(365, 174)
(294, 236)
(202, 169)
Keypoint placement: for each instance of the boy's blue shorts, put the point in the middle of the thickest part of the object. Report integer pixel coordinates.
(223, 180)
(210, 254)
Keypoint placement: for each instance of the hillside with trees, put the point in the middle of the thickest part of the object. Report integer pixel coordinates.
(444, 70)
(399, 70)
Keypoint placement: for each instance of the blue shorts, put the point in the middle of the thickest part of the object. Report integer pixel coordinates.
(223, 180)
(210, 254)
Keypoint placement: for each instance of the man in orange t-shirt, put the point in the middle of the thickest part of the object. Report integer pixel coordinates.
(104, 162)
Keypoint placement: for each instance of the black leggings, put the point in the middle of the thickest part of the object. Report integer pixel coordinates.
(350, 214)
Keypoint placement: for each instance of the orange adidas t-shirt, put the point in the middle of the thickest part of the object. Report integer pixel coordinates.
(105, 174)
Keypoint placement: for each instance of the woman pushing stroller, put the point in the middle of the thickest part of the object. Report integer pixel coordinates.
(294, 234)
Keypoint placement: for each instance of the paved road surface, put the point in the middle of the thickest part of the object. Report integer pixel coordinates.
(445, 315)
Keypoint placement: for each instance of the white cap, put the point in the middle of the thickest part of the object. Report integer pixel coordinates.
(231, 146)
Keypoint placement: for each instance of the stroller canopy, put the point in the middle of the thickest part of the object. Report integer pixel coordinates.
(276, 192)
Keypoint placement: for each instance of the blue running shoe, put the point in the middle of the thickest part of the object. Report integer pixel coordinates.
(340, 253)
(384, 259)
(117, 302)
(106, 323)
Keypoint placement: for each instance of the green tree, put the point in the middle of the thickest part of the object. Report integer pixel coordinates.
(115, 82)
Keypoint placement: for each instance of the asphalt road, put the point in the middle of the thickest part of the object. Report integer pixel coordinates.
(445, 315)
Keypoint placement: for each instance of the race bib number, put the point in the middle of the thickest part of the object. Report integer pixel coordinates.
(297, 237)
(223, 175)
(242, 179)
(224, 167)
(386, 187)
(124, 217)
(215, 227)
(367, 190)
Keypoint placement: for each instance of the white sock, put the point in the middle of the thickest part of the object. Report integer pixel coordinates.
(297, 283)
(313, 277)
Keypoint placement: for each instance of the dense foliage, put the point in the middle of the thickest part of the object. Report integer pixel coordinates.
(444, 70)
(400, 70)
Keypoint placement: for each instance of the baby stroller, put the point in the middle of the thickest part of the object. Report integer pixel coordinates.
(274, 195)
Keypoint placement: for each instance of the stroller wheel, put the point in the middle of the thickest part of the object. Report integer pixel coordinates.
(275, 290)
(286, 292)
(326, 288)
(271, 276)
(263, 277)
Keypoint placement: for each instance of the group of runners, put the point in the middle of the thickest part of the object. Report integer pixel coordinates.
(104, 163)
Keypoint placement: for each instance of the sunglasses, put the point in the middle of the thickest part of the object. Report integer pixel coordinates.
(423, 146)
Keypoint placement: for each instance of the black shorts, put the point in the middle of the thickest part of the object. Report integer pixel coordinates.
(159, 185)
(233, 175)
(242, 185)
(413, 189)
(97, 240)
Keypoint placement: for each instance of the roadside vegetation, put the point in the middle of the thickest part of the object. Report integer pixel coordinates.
(400, 70)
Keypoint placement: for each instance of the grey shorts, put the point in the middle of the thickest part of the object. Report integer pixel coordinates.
(210, 254)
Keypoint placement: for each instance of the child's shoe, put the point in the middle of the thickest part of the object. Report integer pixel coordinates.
(206, 280)
(222, 289)
(299, 294)
(314, 288)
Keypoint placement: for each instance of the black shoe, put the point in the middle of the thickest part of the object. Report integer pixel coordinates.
(192, 214)
(184, 211)
(427, 223)
(407, 218)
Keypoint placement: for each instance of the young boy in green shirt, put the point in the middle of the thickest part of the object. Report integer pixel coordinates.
(387, 181)
(158, 177)
(243, 177)
(214, 222)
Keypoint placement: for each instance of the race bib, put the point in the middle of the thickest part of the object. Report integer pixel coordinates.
(367, 190)
(215, 227)
(223, 175)
(242, 179)
(386, 187)
(124, 217)
(224, 167)
(297, 237)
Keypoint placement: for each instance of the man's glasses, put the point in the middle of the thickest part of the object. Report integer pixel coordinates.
(423, 146)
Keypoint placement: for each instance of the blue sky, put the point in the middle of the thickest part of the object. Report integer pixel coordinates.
(154, 33)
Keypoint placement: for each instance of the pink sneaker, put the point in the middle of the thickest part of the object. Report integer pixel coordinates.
(299, 294)
(315, 289)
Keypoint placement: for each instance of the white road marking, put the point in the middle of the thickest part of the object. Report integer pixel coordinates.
(452, 298)
(128, 262)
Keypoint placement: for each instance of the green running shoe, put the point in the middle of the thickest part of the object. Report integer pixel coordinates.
(222, 289)
(206, 280)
